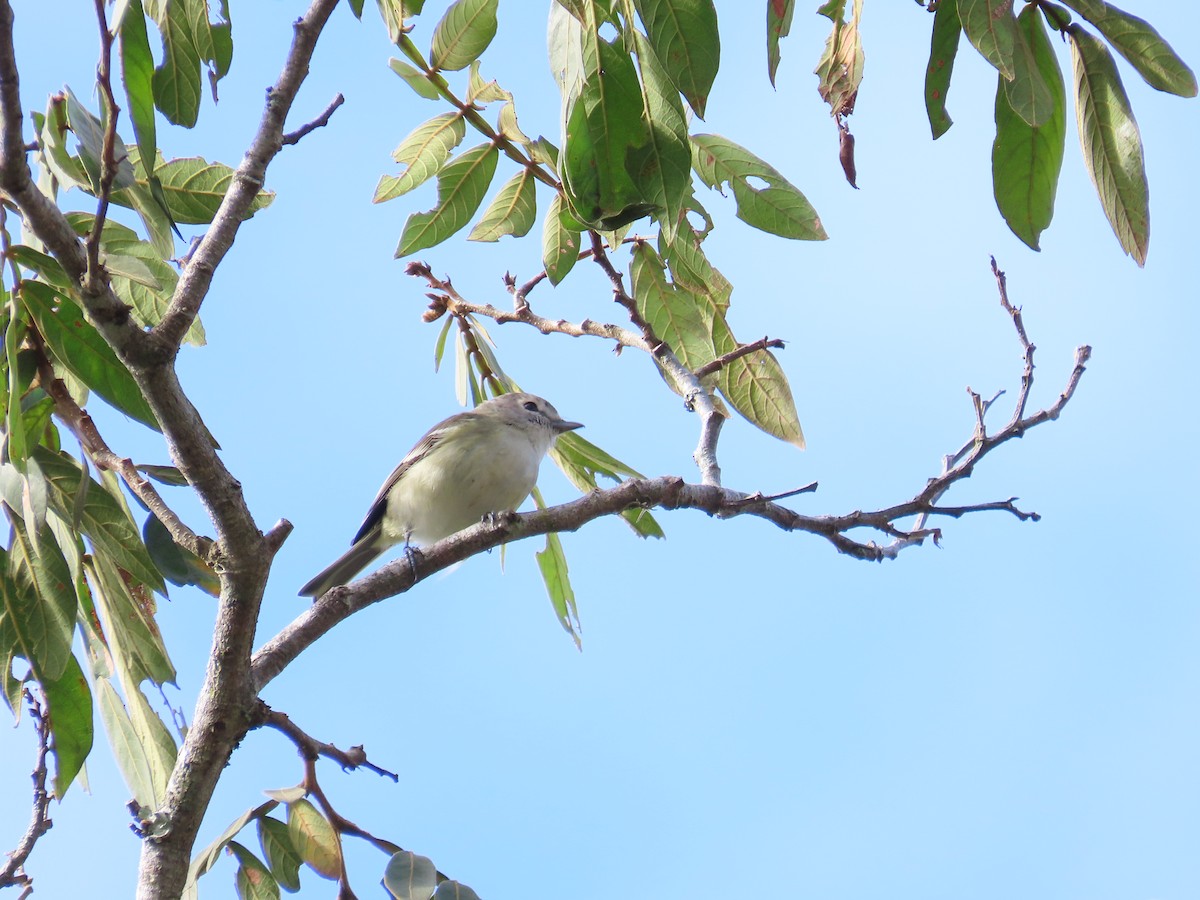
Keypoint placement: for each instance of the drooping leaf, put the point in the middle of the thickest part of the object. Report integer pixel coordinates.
(779, 24)
(665, 173)
(685, 39)
(1143, 47)
(778, 209)
(281, 856)
(207, 858)
(424, 151)
(942, 50)
(463, 33)
(80, 348)
(756, 386)
(552, 562)
(461, 186)
(1026, 160)
(40, 600)
(512, 211)
(991, 27)
(128, 750)
(409, 876)
(137, 74)
(130, 628)
(313, 838)
(1112, 144)
(1029, 94)
(178, 565)
(190, 42)
(253, 879)
(560, 243)
(607, 158)
(69, 706)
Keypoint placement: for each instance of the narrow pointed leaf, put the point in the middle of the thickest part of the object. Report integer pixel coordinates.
(1112, 144)
(415, 79)
(461, 186)
(685, 39)
(424, 151)
(1028, 94)
(665, 172)
(756, 386)
(779, 23)
(69, 702)
(42, 603)
(942, 50)
(281, 856)
(137, 74)
(552, 561)
(1026, 160)
(127, 748)
(1143, 47)
(253, 879)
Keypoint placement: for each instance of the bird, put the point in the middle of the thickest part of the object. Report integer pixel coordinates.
(465, 468)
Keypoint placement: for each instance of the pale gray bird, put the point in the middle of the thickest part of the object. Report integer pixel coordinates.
(464, 468)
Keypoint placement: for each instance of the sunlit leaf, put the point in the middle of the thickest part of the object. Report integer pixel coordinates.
(461, 186)
(779, 23)
(415, 79)
(463, 33)
(552, 562)
(1112, 144)
(424, 151)
(1026, 160)
(512, 211)
(281, 856)
(69, 702)
(990, 26)
(313, 838)
(253, 879)
(684, 36)
(778, 209)
(560, 244)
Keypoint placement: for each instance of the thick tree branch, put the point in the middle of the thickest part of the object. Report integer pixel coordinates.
(13, 872)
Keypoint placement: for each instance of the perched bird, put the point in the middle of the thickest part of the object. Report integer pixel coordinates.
(464, 468)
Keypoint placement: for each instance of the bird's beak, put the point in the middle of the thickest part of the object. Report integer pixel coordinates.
(560, 427)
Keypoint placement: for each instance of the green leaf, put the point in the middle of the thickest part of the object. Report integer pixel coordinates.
(207, 858)
(253, 879)
(607, 159)
(313, 838)
(552, 562)
(1029, 94)
(409, 876)
(685, 39)
(840, 68)
(1112, 144)
(415, 79)
(990, 26)
(512, 211)
(78, 347)
(137, 74)
(560, 243)
(778, 209)
(779, 24)
(128, 615)
(1142, 46)
(671, 312)
(756, 387)
(461, 186)
(192, 188)
(281, 856)
(190, 41)
(665, 171)
(40, 601)
(942, 50)
(90, 132)
(69, 703)
(102, 519)
(424, 151)
(463, 33)
(128, 750)
(1026, 160)
(14, 424)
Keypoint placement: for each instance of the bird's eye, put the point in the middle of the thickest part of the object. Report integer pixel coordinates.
(530, 405)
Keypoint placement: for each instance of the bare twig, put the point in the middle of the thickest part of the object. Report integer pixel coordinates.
(311, 748)
(720, 362)
(293, 137)
(13, 872)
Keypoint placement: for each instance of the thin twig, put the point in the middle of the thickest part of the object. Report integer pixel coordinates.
(13, 872)
(293, 137)
(311, 748)
(720, 362)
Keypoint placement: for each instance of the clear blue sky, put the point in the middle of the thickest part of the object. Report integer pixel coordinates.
(1012, 715)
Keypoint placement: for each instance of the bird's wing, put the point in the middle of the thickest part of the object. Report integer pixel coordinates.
(374, 518)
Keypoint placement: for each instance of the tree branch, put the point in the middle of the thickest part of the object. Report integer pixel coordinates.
(13, 872)
(293, 137)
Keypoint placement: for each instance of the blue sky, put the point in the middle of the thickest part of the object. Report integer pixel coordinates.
(1013, 714)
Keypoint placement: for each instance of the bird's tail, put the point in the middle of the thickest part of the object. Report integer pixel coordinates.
(346, 566)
